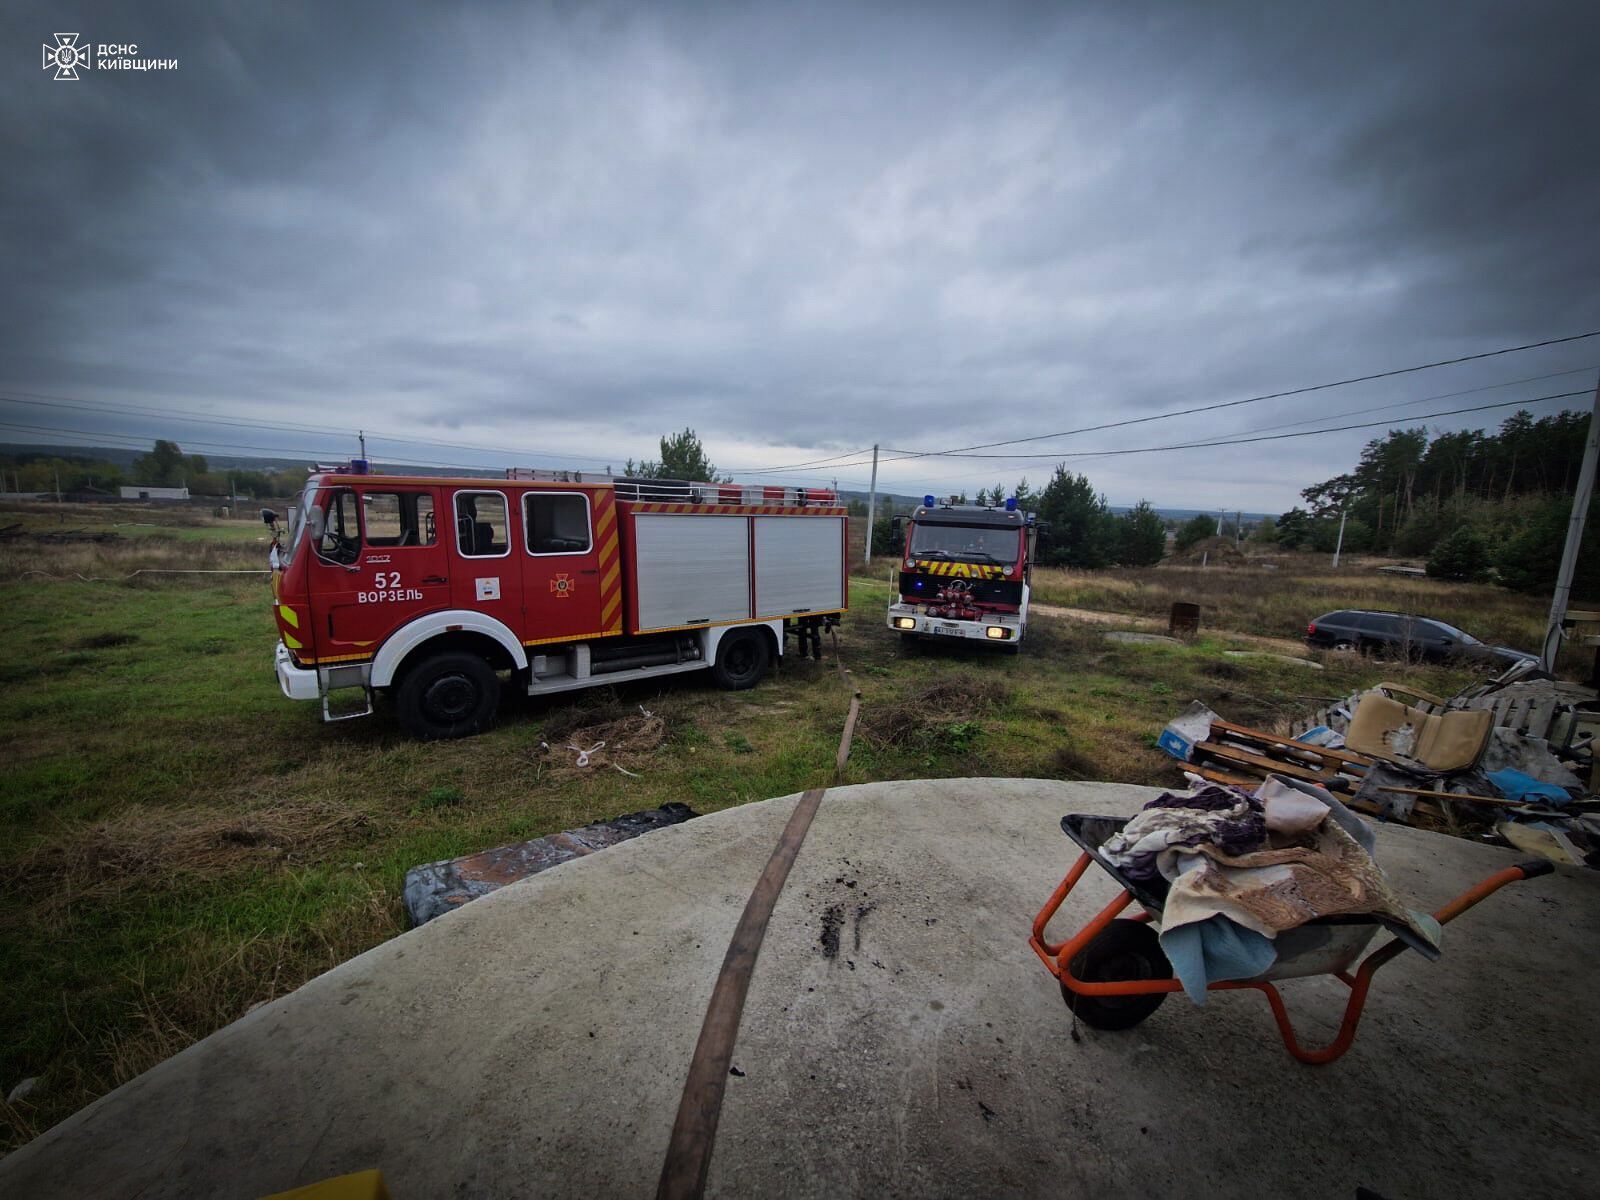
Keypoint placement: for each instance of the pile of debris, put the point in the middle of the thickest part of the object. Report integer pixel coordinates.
(1510, 760)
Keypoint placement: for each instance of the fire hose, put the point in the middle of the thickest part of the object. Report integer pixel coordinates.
(694, 1132)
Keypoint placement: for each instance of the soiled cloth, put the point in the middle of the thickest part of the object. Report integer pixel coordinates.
(1322, 872)
(1209, 951)
(1241, 869)
(1147, 847)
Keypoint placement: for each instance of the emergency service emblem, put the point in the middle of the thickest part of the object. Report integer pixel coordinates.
(561, 586)
(66, 56)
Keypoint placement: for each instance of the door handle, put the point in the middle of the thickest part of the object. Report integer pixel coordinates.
(434, 579)
(589, 571)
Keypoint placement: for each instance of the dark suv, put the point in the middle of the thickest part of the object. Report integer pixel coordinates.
(1404, 635)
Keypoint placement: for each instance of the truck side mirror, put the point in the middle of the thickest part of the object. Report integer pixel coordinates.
(897, 531)
(314, 519)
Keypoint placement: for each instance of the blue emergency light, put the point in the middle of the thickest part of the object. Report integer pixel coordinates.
(927, 502)
(1011, 504)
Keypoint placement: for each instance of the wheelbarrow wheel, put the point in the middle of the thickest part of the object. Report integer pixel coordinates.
(1125, 951)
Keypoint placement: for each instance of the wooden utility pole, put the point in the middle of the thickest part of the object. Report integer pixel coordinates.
(872, 504)
(1569, 555)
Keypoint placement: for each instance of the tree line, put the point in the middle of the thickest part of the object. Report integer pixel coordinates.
(1476, 504)
(166, 465)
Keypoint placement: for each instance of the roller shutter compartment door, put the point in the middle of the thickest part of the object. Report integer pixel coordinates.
(692, 570)
(799, 565)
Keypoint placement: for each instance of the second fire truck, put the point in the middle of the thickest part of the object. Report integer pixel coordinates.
(965, 572)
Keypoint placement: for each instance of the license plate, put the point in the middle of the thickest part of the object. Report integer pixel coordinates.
(949, 627)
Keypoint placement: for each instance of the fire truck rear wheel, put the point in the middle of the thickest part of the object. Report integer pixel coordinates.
(742, 659)
(448, 696)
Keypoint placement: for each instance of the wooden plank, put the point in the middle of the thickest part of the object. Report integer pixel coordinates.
(1216, 776)
(1465, 797)
(1288, 743)
(1234, 755)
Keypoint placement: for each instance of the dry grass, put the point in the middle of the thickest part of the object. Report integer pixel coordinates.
(1278, 595)
(143, 847)
(931, 712)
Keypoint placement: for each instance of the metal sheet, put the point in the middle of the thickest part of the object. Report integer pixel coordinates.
(799, 565)
(693, 570)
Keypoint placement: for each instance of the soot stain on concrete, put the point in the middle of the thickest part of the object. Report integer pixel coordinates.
(832, 923)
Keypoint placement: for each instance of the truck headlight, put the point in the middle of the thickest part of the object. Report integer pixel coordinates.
(905, 622)
(998, 632)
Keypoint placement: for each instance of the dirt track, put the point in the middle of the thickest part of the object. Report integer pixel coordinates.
(1156, 624)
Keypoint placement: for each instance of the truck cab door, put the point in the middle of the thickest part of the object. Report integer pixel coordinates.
(378, 564)
(484, 572)
(571, 572)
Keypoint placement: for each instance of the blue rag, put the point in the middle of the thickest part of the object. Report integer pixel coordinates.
(1518, 785)
(1215, 949)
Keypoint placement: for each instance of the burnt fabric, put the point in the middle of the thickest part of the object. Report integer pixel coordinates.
(1228, 818)
(1324, 873)
(1240, 869)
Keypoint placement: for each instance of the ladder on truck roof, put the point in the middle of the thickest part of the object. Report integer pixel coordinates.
(681, 491)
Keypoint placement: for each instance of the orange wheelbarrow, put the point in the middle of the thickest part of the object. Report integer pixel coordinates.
(1113, 973)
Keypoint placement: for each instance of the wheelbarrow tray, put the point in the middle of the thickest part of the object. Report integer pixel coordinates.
(1321, 946)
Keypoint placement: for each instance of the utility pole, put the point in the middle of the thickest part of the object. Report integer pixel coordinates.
(872, 503)
(1238, 527)
(1340, 545)
(1569, 555)
(361, 436)
(58, 485)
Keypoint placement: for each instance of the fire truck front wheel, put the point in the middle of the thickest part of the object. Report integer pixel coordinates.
(742, 659)
(448, 695)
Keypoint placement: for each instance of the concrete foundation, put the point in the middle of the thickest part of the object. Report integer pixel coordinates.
(900, 1037)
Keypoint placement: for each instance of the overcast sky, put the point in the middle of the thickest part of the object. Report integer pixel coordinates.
(799, 228)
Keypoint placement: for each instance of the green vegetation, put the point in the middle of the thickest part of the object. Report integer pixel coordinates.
(178, 842)
(1194, 531)
(165, 466)
(1463, 556)
(682, 457)
(1510, 491)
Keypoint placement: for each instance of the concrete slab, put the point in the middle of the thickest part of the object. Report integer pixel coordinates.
(534, 1042)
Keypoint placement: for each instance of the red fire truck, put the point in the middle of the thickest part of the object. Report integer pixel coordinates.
(965, 572)
(432, 590)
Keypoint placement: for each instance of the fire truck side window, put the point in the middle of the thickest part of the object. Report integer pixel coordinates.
(556, 522)
(398, 518)
(483, 529)
(341, 531)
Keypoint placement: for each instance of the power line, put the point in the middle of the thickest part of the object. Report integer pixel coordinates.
(1300, 391)
(1273, 437)
(131, 441)
(795, 466)
(36, 399)
(1227, 439)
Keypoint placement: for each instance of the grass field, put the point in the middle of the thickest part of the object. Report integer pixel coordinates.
(178, 842)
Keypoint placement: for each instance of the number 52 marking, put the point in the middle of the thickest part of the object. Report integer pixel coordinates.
(386, 579)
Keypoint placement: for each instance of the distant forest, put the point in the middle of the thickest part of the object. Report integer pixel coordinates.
(1475, 504)
(166, 465)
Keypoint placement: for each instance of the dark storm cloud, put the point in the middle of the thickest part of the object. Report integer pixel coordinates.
(576, 227)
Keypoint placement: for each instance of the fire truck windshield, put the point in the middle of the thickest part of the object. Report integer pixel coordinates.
(298, 522)
(966, 543)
